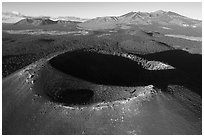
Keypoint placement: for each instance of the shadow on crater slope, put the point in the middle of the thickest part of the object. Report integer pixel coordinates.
(190, 64)
(115, 70)
(73, 96)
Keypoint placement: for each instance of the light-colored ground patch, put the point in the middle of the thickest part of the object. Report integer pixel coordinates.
(125, 27)
(112, 31)
(165, 28)
(193, 26)
(45, 32)
(107, 34)
(185, 37)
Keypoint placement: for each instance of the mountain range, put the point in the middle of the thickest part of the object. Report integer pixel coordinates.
(142, 18)
(160, 17)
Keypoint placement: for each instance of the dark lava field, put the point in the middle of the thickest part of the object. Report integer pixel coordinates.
(129, 79)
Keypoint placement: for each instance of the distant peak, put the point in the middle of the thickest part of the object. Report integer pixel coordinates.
(159, 11)
(128, 14)
(173, 13)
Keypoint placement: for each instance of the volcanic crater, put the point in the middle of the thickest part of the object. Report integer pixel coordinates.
(85, 77)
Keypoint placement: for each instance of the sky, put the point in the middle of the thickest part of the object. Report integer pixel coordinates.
(99, 9)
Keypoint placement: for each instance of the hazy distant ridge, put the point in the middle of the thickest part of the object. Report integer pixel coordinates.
(14, 17)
